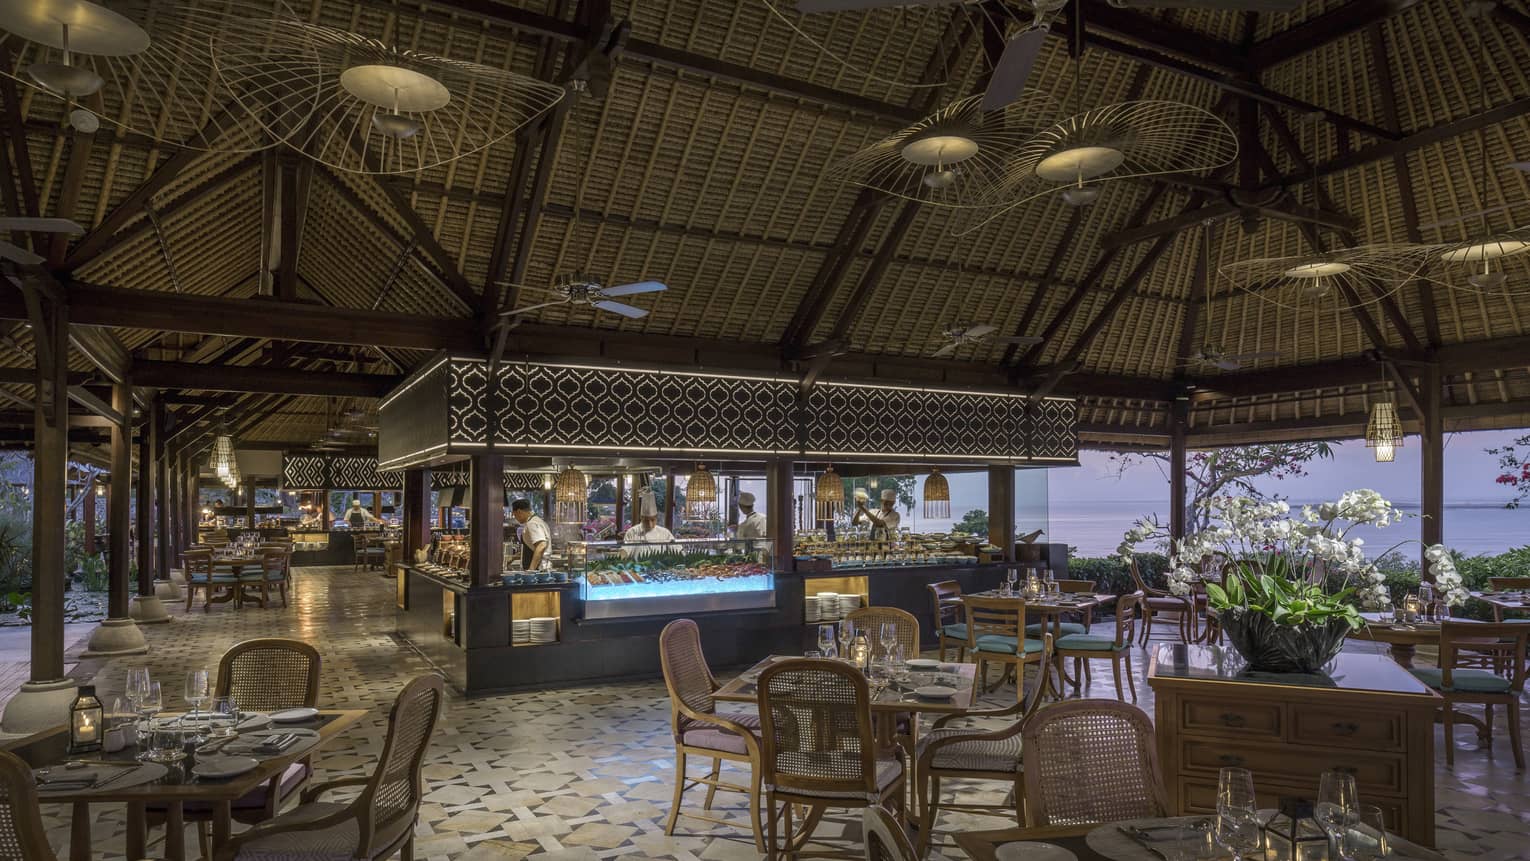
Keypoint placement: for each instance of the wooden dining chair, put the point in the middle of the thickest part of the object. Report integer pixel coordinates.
(381, 820)
(1506, 584)
(885, 838)
(1080, 587)
(1159, 602)
(950, 751)
(198, 565)
(869, 620)
(1083, 648)
(950, 619)
(819, 751)
(22, 835)
(699, 730)
(273, 573)
(994, 636)
(1467, 649)
(1091, 761)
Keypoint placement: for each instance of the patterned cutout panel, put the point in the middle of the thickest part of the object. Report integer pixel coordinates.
(846, 419)
(305, 471)
(449, 475)
(317, 472)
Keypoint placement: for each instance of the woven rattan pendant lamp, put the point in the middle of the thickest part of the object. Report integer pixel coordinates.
(700, 494)
(937, 496)
(571, 492)
(1383, 432)
(233, 478)
(829, 494)
(222, 458)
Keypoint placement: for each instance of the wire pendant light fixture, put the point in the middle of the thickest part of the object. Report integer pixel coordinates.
(571, 491)
(233, 478)
(222, 458)
(700, 494)
(937, 496)
(1383, 432)
(829, 494)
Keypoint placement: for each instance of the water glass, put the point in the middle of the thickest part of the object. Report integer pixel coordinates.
(1192, 842)
(224, 720)
(168, 744)
(826, 640)
(1367, 839)
(1337, 804)
(888, 637)
(1237, 826)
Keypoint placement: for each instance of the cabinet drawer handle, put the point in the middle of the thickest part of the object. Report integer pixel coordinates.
(1346, 769)
(1342, 728)
(1230, 759)
(1231, 719)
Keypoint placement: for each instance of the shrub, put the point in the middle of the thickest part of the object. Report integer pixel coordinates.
(1111, 576)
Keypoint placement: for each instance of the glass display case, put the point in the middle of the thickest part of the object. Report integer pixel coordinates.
(854, 548)
(620, 580)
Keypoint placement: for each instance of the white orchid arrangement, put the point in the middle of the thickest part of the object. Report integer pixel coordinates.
(1279, 558)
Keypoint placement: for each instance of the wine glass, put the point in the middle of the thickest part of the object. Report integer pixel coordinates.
(846, 635)
(136, 685)
(1012, 579)
(148, 704)
(1336, 808)
(888, 637)
(1367, 839)
(826, 641)
(196, 690)
(1237, 827)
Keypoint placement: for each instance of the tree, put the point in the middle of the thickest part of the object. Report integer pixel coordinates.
(1214, 472)
(1514, 460)
(975, 521)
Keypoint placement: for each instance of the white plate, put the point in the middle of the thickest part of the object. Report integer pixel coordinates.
(922, 664)
(1033, 852)
(295, 715)
(224, 766)
(935, 692)
(254, 720)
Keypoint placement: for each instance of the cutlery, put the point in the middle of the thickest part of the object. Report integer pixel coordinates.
(1133, 836)
(113, 779)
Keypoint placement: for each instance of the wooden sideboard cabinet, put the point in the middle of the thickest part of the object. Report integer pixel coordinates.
(1368, 716)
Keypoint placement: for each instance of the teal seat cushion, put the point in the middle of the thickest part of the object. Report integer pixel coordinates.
(1087, 642)
(1064, 629)
(957, 631)
(218, 578)
(1005, 645)
(1470, 681)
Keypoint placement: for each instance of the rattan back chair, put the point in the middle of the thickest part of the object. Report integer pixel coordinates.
(1158, 602)
(948, 751)
(886, 839)
(871, 619)
(700, 731)
(819, 748)
(22, 836)
(950, 620)
(381, 820)
(996, 635)
(1083, 648)
(1467, 649)
(1091, 761)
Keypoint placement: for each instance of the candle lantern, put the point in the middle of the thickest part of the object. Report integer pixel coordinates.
(860, 651)
(1293, 835)
(86, 720)
(1032, 585)
(1411, 607)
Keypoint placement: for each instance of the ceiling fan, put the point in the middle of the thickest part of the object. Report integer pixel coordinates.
(583, 290)
(33, 225)
(1211, 354)
(1013, 67)
(960, 335)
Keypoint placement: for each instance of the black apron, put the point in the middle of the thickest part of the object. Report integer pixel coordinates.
(526, 551)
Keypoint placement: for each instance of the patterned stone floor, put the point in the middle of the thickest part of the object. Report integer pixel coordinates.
(584, 773)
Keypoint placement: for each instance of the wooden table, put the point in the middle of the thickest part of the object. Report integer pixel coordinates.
(237, 564)
(1402, 640)
(1051, 610)
(1514, 601)
(50, 748)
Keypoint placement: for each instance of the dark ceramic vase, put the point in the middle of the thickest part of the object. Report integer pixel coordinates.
(1270, 647)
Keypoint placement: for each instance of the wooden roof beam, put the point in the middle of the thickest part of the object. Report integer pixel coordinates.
(1221, 209)
(1324, 29)
(1163, 35)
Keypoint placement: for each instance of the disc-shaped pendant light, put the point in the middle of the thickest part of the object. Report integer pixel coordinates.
(1347, 278)
(829, 494)
(571, 491)
(385, 109)
(700, 494)
(1496, 264)
(937, 496)
(162, 70)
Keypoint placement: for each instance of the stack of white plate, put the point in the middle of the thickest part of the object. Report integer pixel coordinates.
(828, 606)
(810, 609)
(848, 604)
(520, 632)
(544, 629)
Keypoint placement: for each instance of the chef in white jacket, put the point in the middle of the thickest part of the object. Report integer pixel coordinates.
(647, 530)
(753, 524)
(884, 521)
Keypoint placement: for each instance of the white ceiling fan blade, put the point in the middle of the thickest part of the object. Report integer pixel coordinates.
(980, 330)
(18, 254)
(1227, 364)
(945, 351)
(633, 289)
(812, 6)
(1013, 69)
(621, 308)
(1521, 165)
(1253, 357)
(42, 225)
(530, 308)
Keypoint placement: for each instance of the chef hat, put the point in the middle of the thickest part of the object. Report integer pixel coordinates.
(889, 496)
(648, 506)
(746, 499)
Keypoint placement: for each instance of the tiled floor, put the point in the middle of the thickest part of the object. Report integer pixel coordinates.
(585, 773)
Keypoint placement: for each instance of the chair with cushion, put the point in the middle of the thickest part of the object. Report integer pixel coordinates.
(274, 572)
(1461, 679)
(1157, 602)
(885, 838)
(976, 754)
(993, 637)
(1079, 587)
(819, 751)
(1091, 762)
(198, 565)
(1506, 584)
(22, 835)
(262, 675)
(381, 820)
(1083, 648)
(950, 627)
(699, 730)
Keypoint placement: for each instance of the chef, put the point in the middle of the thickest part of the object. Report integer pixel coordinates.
(884, 521)
(753, 524)
(647, 530)
(357, 516)
(535, 537)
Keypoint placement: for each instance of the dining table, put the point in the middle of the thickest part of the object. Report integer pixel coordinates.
(1511, 601)
(235, 563)
(124, 779)
(1051, 608)
(1402, 638)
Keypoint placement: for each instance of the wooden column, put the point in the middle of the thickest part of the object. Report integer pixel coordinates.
(50, 463)
(249, 502)
(192, 500)
(779, 486)
(416, 504)
(144, 519)
(487, 519)
(119, 504)
(1001, 509)
(1178, 426)
(377, 504)
(162, 493)
(1432, 464)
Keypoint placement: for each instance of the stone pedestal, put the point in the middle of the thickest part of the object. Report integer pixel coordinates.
(148, 610)
(39, 706)
(115, 637)
(167, 590)
(177, 576)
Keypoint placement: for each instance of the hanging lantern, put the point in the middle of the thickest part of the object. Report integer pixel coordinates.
(570, 493)
(1384, 431)
(232, 478)
(830, 494)
(222, 455)
(700, 494)
(937, 496)
(85, 721)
